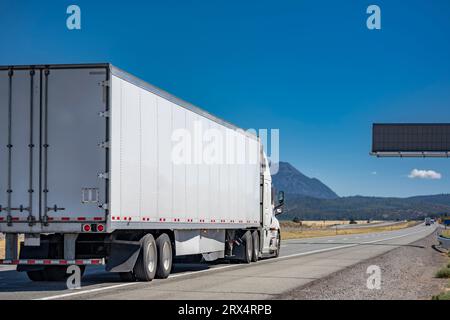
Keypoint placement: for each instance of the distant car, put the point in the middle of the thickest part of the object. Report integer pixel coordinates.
(432, 221)
(427, 221)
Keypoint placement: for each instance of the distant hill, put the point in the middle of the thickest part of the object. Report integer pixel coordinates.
(363, 208)
(308, 198)
(292, 181)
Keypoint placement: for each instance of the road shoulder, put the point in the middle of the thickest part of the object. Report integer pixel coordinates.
(407, 272)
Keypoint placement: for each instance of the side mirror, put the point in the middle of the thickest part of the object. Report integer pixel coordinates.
(281, 197)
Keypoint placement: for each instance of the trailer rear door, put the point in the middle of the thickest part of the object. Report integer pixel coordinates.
(52, 156)
(19, 145)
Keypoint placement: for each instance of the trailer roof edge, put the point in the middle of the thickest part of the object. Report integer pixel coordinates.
(174, 99)
(138, 82)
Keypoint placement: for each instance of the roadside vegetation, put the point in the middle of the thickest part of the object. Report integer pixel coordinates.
(2, 248)
(446, 233)
(443, 296)
(444, 273)
(292, 230)
(2, 245)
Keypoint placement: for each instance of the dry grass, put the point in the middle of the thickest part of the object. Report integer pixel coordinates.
(2, 249)
(2, 245)
(326, 223)
(288, 232)
(446, 233)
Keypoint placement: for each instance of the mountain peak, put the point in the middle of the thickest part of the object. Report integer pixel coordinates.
(292, 181)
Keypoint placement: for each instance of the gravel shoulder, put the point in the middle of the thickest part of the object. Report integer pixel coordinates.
(407, 273)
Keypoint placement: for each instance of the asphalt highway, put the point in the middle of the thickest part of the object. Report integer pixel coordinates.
(300, 262)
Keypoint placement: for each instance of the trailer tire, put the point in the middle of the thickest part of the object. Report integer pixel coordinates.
(55, 273)
(277, 253)
(248, 247)
(146, 264)
(36, 275)
(165, 258)
(255, 246)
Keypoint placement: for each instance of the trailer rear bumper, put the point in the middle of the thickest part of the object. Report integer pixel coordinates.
(54, 227)
(52, 262)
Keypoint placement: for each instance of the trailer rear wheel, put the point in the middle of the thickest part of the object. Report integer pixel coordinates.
(145, 267)
(55, 273)
(36, 275)
(248, 247)
(164, 246)
(255, 246)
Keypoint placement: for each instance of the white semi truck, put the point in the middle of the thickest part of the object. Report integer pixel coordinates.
(88, 176)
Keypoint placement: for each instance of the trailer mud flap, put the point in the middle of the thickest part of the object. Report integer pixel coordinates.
(123, 256)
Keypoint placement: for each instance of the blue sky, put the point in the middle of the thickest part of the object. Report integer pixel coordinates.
(310, 68)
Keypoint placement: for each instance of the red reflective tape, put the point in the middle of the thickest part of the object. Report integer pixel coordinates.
(62, 261)
(31, 261)
(15, 262)
(1, 218)
(65, 218)
(47, 262)
(96, 261)
(78, 261)
(15, 219)
(98, 218)
(81, 219)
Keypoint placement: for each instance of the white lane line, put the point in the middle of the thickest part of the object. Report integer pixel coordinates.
(226, 267)
(131, 283)
(87, 291)
(331, 240)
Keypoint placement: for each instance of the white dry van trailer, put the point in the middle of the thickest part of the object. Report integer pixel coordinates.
(87, 175)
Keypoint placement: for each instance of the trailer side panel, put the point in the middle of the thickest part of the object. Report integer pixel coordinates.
(165, 172)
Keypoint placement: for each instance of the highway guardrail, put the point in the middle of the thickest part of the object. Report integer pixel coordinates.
(445, 242)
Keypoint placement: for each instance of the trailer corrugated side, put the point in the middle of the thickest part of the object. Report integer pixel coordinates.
(66, 131)
(149, 189)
